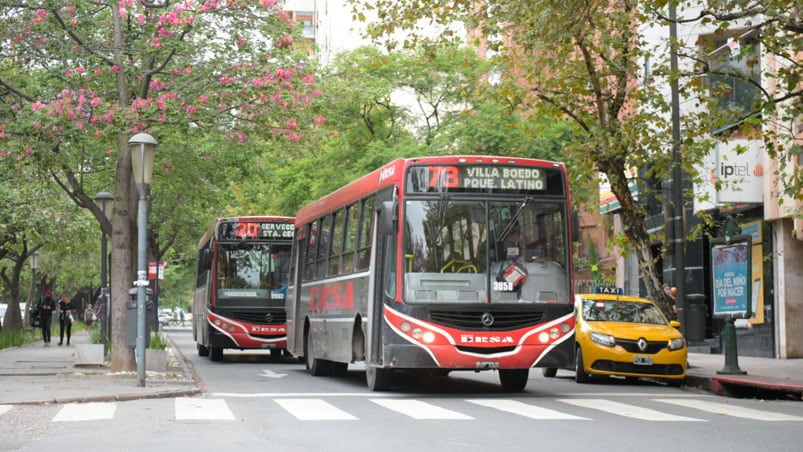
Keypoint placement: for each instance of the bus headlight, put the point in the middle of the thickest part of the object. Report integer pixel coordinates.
(429, 337)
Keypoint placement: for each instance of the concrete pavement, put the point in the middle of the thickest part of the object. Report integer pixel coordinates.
(35, 374)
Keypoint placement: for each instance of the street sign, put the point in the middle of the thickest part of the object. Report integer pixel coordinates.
(152, 270)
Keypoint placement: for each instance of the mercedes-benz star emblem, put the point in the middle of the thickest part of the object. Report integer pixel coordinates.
(642, 344)
(268, 317)
(487, 319)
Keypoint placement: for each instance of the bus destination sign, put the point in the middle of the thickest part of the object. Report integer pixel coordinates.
(475, 177)
(254, 230)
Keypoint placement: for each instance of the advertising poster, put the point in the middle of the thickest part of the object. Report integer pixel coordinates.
(731, 266)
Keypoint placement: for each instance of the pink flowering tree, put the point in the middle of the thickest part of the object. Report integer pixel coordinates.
(80, 77)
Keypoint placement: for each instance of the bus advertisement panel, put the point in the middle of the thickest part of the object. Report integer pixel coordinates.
(241, 285)
(436, 264)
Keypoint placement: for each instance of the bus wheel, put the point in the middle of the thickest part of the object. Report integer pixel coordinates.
(275, 353)
(338, 369)
(549, 372)
(580, 374)
(513, 380)
(216, 353)
(316, 367)
(378, 379)
(202, 351)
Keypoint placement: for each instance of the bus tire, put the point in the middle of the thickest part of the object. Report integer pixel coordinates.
(275, 353)
(216, 353)
(378, 379)
(549, 372)
(580, 374)
(202, 350)
(513, 380)
(316, 367)
(338, 369)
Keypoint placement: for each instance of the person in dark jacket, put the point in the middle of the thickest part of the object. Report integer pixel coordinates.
(65, 318)
(46, 306)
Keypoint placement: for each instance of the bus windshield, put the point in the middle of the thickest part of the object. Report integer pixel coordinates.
(469, 251)
(249, 266)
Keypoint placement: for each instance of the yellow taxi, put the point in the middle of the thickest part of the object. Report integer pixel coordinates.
(629, 337)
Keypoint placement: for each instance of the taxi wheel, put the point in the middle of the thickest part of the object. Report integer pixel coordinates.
(580, 374)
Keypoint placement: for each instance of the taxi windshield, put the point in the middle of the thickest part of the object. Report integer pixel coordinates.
(622, 311)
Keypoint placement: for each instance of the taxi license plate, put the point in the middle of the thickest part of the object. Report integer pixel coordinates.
(642, 360)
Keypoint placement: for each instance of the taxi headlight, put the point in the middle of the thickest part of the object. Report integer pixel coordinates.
(677, 343)
(602, 339)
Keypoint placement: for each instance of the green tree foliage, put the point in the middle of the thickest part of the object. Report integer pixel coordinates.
(581, 60)
(82, 76)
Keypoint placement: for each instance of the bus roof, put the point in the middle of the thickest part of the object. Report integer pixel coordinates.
(393, 173)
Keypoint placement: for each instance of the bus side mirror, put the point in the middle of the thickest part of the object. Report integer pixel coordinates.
(387, 216)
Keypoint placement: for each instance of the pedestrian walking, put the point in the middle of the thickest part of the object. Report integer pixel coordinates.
(66, 318)
(89, 316)
(46, 306)
(181, 316)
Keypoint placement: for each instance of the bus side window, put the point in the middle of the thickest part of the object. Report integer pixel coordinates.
(309, 251)
(351, 217)
(366, 229)
(337, 242)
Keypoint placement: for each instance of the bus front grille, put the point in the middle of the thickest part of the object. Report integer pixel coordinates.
(264, 318)
(473, 320)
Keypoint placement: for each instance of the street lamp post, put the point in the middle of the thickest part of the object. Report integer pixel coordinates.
(104, 199)
(142, 147)
(34, 266)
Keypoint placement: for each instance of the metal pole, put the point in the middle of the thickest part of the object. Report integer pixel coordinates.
(142, 282)
(104, 327)
(678, 247)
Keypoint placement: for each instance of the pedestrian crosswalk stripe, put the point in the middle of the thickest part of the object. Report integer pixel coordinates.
(524, 409)
(4, 409)
(188, 408)
(417, 409)
(623, 409)
(732, 410)
(314, 410)
(86, 412)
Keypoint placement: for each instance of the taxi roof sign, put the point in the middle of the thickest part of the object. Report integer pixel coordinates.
(609, 290)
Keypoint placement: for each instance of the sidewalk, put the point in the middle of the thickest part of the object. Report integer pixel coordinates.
(35, 374)
(765, 378)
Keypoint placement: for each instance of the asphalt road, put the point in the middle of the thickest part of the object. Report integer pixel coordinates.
(254, 402)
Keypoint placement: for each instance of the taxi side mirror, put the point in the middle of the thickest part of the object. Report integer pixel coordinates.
(674, 324)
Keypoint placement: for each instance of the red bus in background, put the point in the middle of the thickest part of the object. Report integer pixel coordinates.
(241, 285)
(436, 264)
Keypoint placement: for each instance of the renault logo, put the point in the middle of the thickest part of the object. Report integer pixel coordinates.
(642, 344)
(487, 319)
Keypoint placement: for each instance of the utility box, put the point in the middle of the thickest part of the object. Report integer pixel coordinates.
(132, 319)
(695, 317)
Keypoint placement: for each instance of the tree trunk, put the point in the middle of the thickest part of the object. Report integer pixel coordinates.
(121, 272)
(633, 217)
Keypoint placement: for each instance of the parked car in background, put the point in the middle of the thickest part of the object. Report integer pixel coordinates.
(624, 336)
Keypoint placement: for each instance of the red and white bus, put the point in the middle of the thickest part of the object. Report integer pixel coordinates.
(436, 264)
(241, 285)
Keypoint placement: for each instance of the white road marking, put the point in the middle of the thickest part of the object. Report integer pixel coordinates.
(73, 412)
(631, 411)
(188, 408)
(5, 409)
(417, 409)
(524, 409)
(731, 410)
(271, 374)
(314, 410)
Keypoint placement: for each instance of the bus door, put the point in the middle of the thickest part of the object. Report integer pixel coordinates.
(382, 282)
